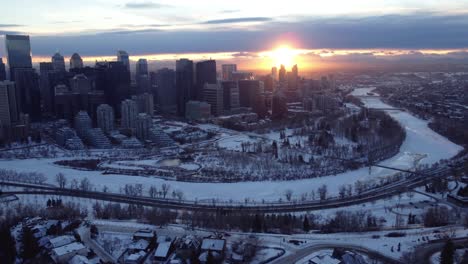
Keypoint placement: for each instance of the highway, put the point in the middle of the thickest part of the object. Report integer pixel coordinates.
(416, 180)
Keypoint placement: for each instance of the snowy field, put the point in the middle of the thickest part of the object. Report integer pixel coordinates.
(420, 140)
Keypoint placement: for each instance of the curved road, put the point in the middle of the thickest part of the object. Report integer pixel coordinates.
(302, 253)
(371, 195)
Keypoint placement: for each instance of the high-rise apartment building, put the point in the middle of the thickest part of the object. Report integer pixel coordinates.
(213, 94)
(129, 110)
(18, 50)
(145, 103)
(143, 124)
(105, 118)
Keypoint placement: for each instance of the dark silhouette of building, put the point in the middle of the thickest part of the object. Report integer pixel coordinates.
(166, 91)
(18, 50)
(230, 95)
(279, 108)
(185, 89)
(47, 92)
(282, 74)
(2, 70)
(28, 93)
(206, 73)
(114, 79)
(248, 91)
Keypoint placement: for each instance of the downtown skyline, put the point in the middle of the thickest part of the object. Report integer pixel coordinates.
(319, 35)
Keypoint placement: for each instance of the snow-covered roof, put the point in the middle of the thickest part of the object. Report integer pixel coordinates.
(324, 259)
(78, 259)
(140, 244)
(63, 250)
(136, 256)
(144, 233)
(163, 249)
(213, 244)
(61, 241)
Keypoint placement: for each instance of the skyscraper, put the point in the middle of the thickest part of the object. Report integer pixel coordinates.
(274, 73)
(76, 62)
(249, 90)
(8, 110)
(230, 95)
(28, 94)
(206, 73)
(47, 91)
(184, 84)
(129, 114)
(18, 50)
(58, 62)
(2, 70)
(145, 103)
(227, 70)
(282, 74)
(213, 94)
(105, 118)
(123, 57)
(165, 90)
(141, 67)
(114, 79)
(293, 77)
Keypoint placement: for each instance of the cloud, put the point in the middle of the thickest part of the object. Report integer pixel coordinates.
(238, 20)
(230, 11)
(244, 54)
(405, 32)
(143, 5)
(10, 25)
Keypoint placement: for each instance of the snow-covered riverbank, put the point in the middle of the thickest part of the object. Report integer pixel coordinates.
(421, 140)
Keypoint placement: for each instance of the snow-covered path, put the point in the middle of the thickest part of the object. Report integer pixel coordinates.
(421, 140)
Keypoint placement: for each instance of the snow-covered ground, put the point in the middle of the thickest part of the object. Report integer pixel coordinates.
(420, 140)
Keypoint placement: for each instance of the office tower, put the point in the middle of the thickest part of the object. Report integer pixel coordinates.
(47, 92)
(230, 95)
(293, 78)
(105, 118)
(248, 91)
(332, 81)
(76, 62)
(268, 82)
(122, 56)
(66, 103)
(129, 113)
(274, 73)
(185, 89)
(52, 79)
(58, 62)
(2, 70)
(227, 70)
(143, 124)
(8, 110)
(18, 50)
(145, 103)
(213, 94)
(114, 79)
(279, 108)
(28, 94)
(82, 123)
(80, 84)
(166, 96)
(282, 74)
(206, 73)
(141, 67)
(242, 75)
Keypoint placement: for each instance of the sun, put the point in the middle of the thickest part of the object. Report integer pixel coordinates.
(283, 55)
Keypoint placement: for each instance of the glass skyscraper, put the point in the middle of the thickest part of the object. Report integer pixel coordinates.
(18, 50)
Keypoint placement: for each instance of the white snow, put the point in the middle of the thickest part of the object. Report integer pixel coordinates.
(421, 140)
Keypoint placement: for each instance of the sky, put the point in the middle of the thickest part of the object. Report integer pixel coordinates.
(243, 31)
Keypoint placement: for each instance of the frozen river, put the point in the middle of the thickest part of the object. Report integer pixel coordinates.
(420, 141)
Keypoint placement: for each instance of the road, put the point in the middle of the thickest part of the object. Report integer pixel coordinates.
(424, 252)
(375, 194)
(85, 236)
(302, 253)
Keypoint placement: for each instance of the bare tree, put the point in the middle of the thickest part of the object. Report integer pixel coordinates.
(61, 180)
(85, 184)
(179, 195)
(322, 190)
(165, 189)
(342, 191)
(288, 194)
(153, 191)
